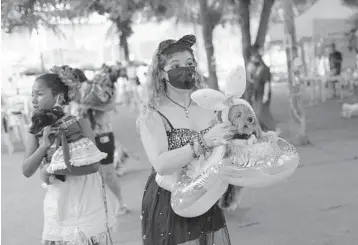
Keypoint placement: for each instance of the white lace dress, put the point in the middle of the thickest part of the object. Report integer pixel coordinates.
(75, 211)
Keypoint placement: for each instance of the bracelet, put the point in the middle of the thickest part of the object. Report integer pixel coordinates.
(198, 148)
(192, 148)
(202, 142)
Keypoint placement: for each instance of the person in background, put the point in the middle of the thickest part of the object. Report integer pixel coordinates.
(335, 64)
(258, 93)
(4, 127)
(100, 118)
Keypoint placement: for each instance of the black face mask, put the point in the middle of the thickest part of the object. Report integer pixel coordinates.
(182, 77)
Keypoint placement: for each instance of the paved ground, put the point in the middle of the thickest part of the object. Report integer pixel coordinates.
(318, 205)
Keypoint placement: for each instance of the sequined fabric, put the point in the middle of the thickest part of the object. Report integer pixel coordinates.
(161, 226)
(179, 137)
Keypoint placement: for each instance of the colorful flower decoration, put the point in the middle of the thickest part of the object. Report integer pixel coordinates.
(68, 77)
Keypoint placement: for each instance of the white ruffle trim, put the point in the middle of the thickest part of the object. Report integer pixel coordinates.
(77, 163)
(83, 152)
(79, 238)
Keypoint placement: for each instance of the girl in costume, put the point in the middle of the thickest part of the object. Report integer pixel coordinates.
(76, 208)
(167, 126)
(100, 118)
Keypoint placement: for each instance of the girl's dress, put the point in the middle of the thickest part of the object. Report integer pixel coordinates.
(77, 211)
(161, 226)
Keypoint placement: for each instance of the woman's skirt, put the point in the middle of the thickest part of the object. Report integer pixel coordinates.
(161, 226)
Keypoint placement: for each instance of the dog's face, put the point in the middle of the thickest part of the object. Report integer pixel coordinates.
(243, 117)
(43, 118)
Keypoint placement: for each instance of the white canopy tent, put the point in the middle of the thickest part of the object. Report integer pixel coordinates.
(326, 22)
(309, 24)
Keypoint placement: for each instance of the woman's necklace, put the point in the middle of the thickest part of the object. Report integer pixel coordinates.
(184, 107)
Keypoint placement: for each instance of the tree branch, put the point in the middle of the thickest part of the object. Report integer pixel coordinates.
(264, 21)
(243, 8)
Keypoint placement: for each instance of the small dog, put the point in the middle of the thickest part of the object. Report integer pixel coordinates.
(43, 118)
(244, 118)
(349, 110)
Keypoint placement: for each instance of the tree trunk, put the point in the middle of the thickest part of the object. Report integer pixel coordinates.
(243, 8)
(208, 28)
(42, 61)
(264, 21)
(299, 132)
(123, 44)
(125, 30)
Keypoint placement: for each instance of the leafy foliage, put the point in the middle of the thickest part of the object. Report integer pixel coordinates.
(352, 3)
(29, 14)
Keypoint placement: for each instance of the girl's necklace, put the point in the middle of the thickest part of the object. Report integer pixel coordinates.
(184, 107)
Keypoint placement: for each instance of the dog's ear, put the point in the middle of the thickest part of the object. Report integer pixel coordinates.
(259, 132)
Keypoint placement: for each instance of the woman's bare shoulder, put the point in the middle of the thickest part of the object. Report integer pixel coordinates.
(149, 119)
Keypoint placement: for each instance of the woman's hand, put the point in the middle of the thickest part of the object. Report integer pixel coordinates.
(194, 168)
(49, 136)
(270, 134)
(219, 134)
(45, 176)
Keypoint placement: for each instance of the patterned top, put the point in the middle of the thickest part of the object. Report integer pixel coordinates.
(179, 137)
(73, 133)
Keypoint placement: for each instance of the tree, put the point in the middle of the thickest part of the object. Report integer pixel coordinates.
(245, 9)
(208, 13)
(121, 14)
(295, 100)
(210, 16)
(352, 3)
(29, 14)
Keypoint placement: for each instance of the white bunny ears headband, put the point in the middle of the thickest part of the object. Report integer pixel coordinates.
(214, 100)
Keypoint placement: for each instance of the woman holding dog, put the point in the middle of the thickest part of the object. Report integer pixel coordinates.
(167, 126)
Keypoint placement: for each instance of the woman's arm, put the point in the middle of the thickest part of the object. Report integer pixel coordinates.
(33, 156)
(155, 142)
(267, 90)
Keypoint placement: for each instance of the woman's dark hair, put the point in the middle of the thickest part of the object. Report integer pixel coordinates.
(54, 82)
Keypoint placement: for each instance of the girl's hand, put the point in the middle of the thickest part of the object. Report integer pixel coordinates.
(219, 134)
(49, 136)
(45, 176)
